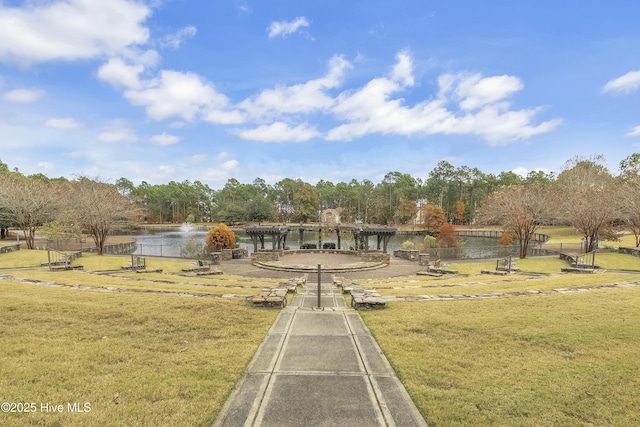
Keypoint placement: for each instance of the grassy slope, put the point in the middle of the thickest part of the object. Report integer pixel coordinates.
(551, 360)
(561, 360)
(138, 359)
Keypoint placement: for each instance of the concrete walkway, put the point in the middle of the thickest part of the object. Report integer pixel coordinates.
(319, 367)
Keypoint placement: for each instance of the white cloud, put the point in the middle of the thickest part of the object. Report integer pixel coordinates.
(220, 173)
(119, 74)
(634, 132)
(475, 92)
(466, 104)
(180, 94)
(301, 98)
(222, 155)
(71, 29)
(279, 132)
(484, 111)
(165, 139)
(284, 28)
(118, 134)
(221, 117)
(63, 124)
(403, 70)
(176, 39)
(24, 96)
(625, 84)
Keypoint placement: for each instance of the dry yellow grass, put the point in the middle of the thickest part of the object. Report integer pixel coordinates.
(141, 282)
(554, 360)
(22, 258)
(485, 284)
(137, 359)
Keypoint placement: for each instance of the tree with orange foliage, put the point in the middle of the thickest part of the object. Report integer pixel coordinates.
(432, 218)
(447, 237)
(220, 237)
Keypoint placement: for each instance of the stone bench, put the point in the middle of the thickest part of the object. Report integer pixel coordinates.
(439, 268)
(366, 299)
(290, 286)
(270, 298)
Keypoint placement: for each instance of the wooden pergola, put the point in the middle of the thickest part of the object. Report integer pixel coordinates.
(361, 235)
(278, 236)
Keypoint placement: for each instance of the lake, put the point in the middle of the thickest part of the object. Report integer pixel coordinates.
(172, 242)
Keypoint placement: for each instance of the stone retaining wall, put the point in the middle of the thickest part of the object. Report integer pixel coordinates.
(375, 257)
(9, 248)
(261, 256)
(629, 251)
(409, 254)
(266, 255)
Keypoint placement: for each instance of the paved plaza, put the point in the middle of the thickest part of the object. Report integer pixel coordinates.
(397, 267)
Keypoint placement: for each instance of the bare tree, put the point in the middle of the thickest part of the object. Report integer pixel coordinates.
(98, 208)
(587, 197)
(629, 206)
(519, 209)
(28, 203)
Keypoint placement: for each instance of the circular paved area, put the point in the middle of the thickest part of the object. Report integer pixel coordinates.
(396, 268)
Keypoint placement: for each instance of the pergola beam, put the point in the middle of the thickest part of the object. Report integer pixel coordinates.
(361, 235)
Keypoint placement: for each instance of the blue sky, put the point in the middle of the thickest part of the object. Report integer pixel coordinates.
(163, 90)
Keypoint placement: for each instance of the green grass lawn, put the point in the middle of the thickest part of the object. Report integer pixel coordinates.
(138, 359)
(553, 360)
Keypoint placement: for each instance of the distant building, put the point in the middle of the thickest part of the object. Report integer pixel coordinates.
(331, 216)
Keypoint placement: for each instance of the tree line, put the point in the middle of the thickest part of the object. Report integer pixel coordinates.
(585, 194)
(394, 200)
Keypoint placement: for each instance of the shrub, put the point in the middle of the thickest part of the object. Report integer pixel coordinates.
(408, 245)
(430, 242)
(220, 237)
